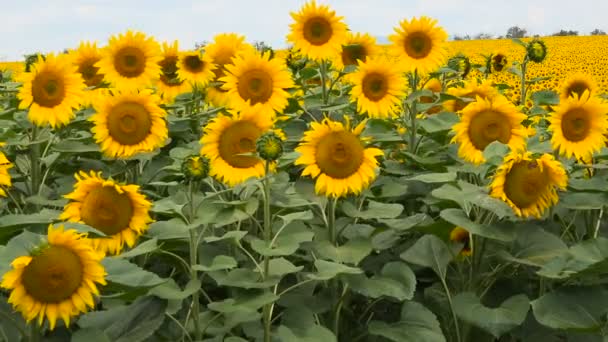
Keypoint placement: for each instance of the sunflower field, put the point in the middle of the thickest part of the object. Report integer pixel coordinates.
(337, 190)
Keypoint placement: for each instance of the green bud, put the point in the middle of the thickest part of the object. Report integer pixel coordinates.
(269, 146)
(195, 167)
(537, 50)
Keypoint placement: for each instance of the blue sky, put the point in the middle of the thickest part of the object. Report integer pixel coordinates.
(44, 25)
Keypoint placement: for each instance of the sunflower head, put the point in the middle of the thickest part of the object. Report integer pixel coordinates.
(169, 83)
(357, 47)
(536, 50)
(85, 58)
(577, 84)
(224, 47)
(498, 61)
(420, 44)
(462, 236)
(57, 280)
(527, 184)
(195, 167)
(335, 155)
(470, 90)
(317, 32)
(270, 146)
(460, 63)
(5, 177)
(195, 67)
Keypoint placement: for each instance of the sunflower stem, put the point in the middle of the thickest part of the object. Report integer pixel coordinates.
(34, 335)
(413, 112)
(267, 310)
(193, 261)
(331, 220)
(323, 71)
(449, 297)
(34, 162)
(524, 66)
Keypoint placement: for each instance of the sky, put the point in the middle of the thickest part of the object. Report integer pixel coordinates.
(42, 25)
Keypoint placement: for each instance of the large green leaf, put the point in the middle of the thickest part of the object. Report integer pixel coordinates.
(121, 271)
(572, 308)
(459, 218)
(585, 258)
(44, 217)
(466, 195)
(429, 251)
(352, 252)
(534, 246)
(396, 280)
(375, 210)
(417, 324)
(314, 333)
(327, 270)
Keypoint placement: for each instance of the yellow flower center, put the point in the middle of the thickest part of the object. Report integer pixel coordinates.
(418, 45)
(374, 86)
(525, 183)
(48, 89)
(487, 127)
(352, 53)
(53, 275)
(130, 62)
(90, 73)
(107, 210)
(255, 85)
(578, 88)
(168, 74)
(339, 154)
(239, 139)
(129, 123)
(317, 31)
(194, 64)
(576, 124)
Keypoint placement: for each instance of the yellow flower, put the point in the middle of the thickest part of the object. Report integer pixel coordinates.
(378, 88)
(357, 47)
(498, 61)
(577, 84)
(5, 178)
(336, 156)
(471, 90)
(229, 141)
(195, 68)
(85, 58)
(461, 235)
(420, 44)
(130, 61)
(256, 82)
(433, 85)
(578, 125)
(529, 185)
(51, 91)
(317, 32)
(57, 280)
(485, 121)
(128, 123)
(117, 210)
(169, 84)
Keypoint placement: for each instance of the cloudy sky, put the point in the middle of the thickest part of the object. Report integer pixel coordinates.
(43, 25)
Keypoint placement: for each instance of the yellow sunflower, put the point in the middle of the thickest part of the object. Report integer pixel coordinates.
(461, 235)
(357, 47)
(420, 44)
(57, 280)
(577, 84)
(257, 82)
(378, 87)
(128, 123)
(130, 61)
(578, 125)
(498, 61)
(317, 32)
(336, 156)
(435, 86)
(51, 91)
(85, 58)
(5, 178)
(229, 142)
(470, 90)
(529, 185)
(119, 211)
(485, 121)
(169, 84)
(195, 68)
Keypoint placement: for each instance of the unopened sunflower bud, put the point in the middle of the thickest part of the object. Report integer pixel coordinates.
(269, 146)
(195, 167)
(537, 51)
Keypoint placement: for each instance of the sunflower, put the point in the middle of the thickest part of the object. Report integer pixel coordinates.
(128, 123)
(485, 121)
(117, 210)
(130, 61)
(336, 156)
(529, 185)
(317, 32)
(51, 91)
(462, 236)
(576, 84)
(257, 82)
(471, 90)
(378, 87)
(498, 61)
(435, 86)
(5, 178)
(229, 141)
(169, 84)
(57, 280)
(85, 58)
(357, 47)
(195, 68)
(420, 44)
(578, 125)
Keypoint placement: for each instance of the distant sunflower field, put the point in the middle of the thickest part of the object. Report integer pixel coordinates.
(337, 190)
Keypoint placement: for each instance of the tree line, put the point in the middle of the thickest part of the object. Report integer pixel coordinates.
(519, 32)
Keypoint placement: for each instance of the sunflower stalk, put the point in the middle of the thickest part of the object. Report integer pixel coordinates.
(34, 161)
(267, 310)
(198, 335)
(413, 112)
(524, 88)
(323, 72)
(35, 334)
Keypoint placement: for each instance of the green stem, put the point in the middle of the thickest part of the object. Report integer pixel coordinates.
(449, 296)
(331, 220)
(413, 112)
(323, 70)
(524, 66)
(267, 311)
(34, 162)
(198, 335)
(34, 335)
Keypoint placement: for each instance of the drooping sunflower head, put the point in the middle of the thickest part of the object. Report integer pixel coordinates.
(195, 67)
(579, 125)
(336, 156)
(118, 210)
(51, 90)
(229, 141)
(462, 236)
(5, 177)
(485, 121)
(577, 84)
(378, 87)
(357, 47)
(57, 280)
(529, 185)
(536, 50)
(471, 90)
(169, 84)
(317, 32)
(420, 44)
(498, 61)
(130, 61)
(127, 123)
(256, 81)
